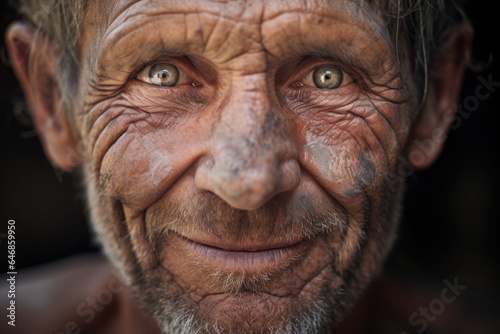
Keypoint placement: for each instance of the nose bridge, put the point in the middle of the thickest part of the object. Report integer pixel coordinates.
(249, 125)
(248, 138)
(252, 156)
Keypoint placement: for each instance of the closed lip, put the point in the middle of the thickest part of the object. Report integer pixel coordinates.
(247, 260)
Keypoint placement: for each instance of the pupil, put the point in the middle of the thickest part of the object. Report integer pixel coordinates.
(328, 76)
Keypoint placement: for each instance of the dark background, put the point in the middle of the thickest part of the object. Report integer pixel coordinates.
(449, 227)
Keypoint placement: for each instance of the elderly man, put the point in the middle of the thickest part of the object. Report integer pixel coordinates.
(241, 159)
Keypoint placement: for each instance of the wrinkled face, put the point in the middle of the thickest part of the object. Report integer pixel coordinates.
(238, 154)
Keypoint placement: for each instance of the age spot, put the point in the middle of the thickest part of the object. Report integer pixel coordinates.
(160, 165)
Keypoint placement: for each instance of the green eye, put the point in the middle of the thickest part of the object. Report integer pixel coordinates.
(327, 77)
(164, 74)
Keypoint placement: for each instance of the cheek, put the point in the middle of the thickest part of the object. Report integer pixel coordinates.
(351, 155)
(347, 167)
(331, 165)
(136, 169)
(145, 160)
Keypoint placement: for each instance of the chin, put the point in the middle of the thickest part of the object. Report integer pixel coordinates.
(315, 309)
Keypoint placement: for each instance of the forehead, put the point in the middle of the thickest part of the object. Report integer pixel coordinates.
(362, 14)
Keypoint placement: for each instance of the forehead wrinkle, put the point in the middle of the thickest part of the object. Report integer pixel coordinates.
(137, 8)
(228, 9)
(359, 13)
(359, 9)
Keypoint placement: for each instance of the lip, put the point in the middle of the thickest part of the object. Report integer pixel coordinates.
(249, 260)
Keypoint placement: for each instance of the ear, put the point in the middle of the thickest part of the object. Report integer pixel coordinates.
(35, 65)
(438, 111)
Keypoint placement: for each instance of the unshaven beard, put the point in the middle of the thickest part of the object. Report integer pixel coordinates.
(176, 317)
(158, 292)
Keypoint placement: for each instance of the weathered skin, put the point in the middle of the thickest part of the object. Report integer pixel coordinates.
(252, 133)
(243, 154)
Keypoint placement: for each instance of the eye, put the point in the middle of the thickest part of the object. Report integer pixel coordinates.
(163, 74)
(325, 77)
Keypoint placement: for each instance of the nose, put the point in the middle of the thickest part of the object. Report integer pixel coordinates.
(252, 157)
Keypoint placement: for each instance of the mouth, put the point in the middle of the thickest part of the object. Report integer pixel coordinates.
(249, 260)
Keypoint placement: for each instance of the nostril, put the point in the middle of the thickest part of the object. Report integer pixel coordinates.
(248, 188)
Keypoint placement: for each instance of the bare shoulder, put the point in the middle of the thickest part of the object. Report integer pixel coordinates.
(54, 298)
